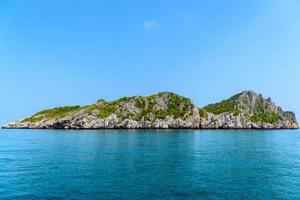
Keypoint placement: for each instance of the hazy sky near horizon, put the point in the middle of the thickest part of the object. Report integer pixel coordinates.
(66, 52)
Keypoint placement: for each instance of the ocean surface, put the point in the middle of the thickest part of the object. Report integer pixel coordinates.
(149, 164)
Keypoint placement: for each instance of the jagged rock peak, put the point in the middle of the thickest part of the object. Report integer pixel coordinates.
(249, 95)
(247, 109)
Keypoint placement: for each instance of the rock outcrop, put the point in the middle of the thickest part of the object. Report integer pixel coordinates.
(162, 111)
(244, 111)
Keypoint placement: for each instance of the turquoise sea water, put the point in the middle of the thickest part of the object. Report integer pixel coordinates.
(149, 164)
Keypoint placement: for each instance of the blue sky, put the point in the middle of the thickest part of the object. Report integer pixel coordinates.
(66, 52)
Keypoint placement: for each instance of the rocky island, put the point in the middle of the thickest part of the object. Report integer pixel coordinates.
(165, 110)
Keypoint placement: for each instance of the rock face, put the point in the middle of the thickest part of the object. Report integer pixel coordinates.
(162, 111)
(244, 111)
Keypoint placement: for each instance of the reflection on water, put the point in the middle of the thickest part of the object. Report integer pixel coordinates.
(149, 164)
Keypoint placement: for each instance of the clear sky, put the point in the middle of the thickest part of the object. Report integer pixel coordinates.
(69, 52)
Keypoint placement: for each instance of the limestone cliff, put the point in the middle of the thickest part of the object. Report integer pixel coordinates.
(164, 110)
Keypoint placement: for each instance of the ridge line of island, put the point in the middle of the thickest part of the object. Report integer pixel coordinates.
(164, 110)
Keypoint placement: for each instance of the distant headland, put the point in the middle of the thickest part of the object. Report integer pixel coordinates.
(165, 110)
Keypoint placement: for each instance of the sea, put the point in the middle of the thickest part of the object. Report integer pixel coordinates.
(149, 164)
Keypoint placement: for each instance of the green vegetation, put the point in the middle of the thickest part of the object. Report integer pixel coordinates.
(267, 118)
(104, 111)
(54, 113)
(203, 113)
(261, 113)
(176, 106)
(256, 112)
(101, 101)
(109, 108)
(225, 106)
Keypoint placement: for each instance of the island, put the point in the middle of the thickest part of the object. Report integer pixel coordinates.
(165, 110)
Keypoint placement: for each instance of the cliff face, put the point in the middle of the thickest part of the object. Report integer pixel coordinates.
(164, 110)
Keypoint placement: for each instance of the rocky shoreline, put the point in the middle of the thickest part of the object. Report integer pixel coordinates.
(246, 110)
